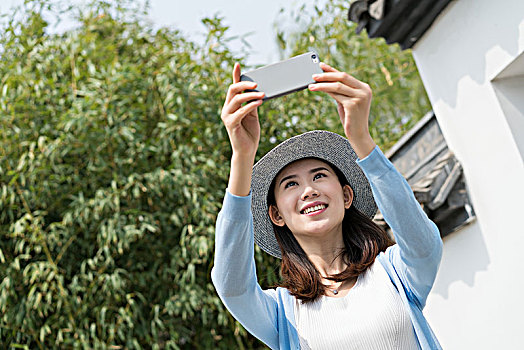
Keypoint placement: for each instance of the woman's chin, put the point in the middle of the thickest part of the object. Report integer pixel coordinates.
(319, 230)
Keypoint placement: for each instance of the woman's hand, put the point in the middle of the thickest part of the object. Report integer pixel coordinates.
(243, 128)
(353, 103)
(241, 122)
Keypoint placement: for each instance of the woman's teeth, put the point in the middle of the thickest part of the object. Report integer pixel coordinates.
(315, 208)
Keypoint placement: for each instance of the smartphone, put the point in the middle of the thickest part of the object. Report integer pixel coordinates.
(285, 77)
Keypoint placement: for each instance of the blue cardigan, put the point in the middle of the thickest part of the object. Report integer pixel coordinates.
(411, 263)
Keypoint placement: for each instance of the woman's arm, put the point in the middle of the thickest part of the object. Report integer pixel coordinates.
(243, 129)
(417, 255)
(234, 272)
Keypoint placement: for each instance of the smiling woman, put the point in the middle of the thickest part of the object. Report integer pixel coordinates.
(341, 241)
(310, 201)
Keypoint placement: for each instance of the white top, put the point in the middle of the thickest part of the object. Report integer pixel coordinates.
(370, 316)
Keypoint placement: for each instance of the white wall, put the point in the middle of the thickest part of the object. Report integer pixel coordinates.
(509, 87)
(478, 298)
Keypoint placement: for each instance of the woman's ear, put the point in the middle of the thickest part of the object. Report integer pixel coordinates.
(348, 196)
(275, 217)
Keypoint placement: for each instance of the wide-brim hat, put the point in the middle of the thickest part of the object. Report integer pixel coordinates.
(320, 144)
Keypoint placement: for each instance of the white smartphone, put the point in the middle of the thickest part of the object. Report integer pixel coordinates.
(285, 77)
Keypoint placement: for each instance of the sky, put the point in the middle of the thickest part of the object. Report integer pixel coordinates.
(242, 16)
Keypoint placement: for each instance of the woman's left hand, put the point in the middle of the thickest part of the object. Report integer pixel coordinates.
(353, 103)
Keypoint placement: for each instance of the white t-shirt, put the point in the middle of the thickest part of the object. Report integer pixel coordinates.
(370, 316)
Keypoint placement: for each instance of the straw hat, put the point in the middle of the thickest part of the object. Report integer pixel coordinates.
(320, 144)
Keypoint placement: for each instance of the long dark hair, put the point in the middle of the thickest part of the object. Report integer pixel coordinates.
(363, 241)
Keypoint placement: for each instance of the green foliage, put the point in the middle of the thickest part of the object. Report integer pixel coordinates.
(399, 98)
(110, 184)
(113, 166)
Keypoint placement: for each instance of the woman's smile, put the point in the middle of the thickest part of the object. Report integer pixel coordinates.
(314, 208)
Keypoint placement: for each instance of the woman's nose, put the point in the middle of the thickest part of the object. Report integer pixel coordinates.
(309, 192)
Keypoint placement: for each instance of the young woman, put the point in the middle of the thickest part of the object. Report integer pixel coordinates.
(310, 202)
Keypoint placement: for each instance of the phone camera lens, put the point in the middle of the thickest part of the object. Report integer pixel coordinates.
(313, 56)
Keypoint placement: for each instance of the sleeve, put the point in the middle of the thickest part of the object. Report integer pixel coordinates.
(417, 254)
(234, 272)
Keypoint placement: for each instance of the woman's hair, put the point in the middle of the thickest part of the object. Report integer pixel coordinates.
(363, 241)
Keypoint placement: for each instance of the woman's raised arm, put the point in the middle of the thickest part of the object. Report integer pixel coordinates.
(243, 128)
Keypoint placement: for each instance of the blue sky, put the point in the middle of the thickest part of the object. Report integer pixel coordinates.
(243, 16)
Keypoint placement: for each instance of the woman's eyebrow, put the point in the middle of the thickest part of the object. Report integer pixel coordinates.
(319, 169)
(311, 171)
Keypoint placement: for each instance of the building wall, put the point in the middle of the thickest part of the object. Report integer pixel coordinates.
(477, 301)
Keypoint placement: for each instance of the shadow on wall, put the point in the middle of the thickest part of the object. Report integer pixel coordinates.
(477, 34)
(465, 254)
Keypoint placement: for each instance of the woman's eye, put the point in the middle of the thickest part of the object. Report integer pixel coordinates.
(290, 183)
(318, 176)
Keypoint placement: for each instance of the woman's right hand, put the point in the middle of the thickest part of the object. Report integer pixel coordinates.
(241, 122)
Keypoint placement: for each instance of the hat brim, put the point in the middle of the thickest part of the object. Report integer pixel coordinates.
(320, 144)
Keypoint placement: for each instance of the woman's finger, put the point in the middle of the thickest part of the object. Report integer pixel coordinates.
(338, 88)
(236, 73)
(327, 68)
(349, 79)
(238, 100)
(237, 117)
(237, 88)
(337, 97)
(339, 76)
(236, 79)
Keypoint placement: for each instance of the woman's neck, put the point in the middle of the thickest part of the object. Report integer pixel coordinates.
(325, 253)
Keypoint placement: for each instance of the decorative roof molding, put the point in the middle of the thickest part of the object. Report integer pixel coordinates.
(397, 21)
(434, 174)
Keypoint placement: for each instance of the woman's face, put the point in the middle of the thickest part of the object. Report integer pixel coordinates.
(310, 199)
